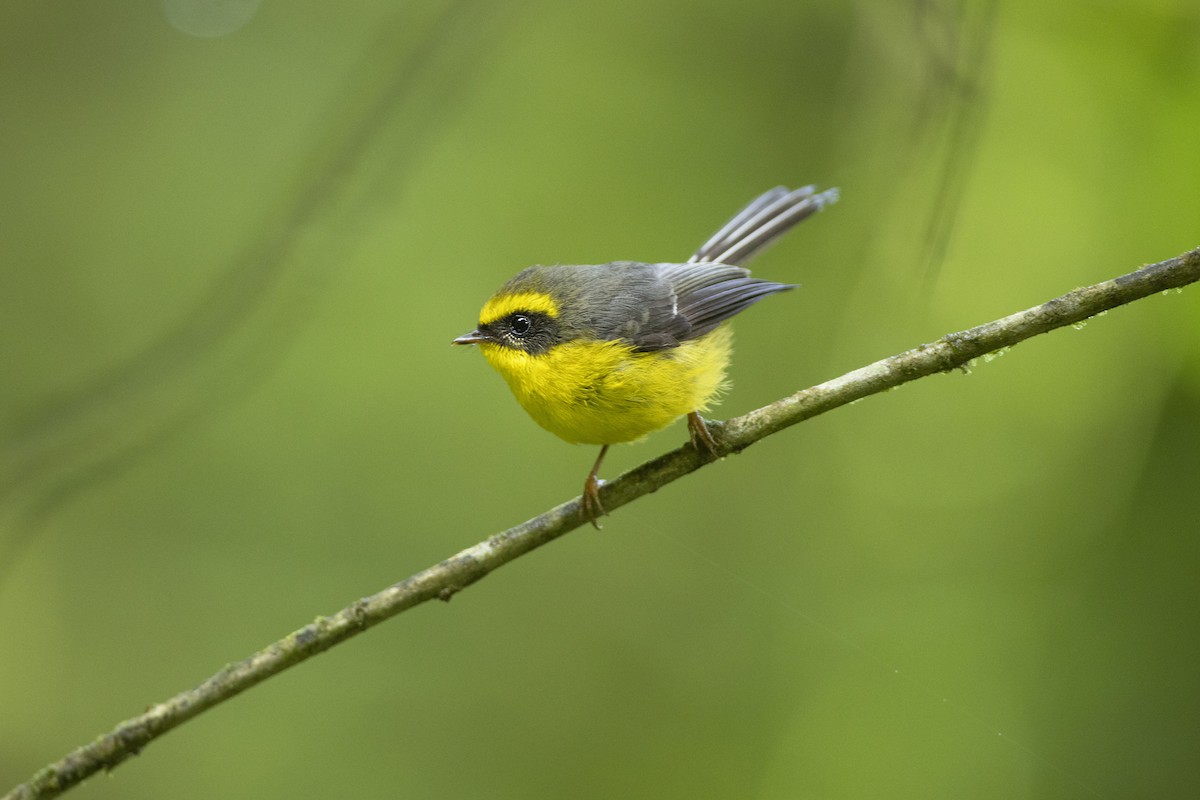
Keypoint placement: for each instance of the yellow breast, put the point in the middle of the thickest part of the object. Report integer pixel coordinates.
(593, 392)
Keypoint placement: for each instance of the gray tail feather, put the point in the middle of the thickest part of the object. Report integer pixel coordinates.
(764, 220)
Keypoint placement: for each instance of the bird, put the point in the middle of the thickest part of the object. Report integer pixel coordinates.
(605, 354)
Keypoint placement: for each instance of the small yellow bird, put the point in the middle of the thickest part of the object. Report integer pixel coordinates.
(608, 353)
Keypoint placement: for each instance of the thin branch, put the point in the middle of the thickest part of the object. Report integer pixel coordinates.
(443, 580)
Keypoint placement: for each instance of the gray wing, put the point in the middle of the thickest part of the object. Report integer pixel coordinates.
(708, 294)
(658, 306)
(765, 219)
(667, 304)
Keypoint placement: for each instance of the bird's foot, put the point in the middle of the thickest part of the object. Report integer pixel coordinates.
(701, 435)
(590, 507)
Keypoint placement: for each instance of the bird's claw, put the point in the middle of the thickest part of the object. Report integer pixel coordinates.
(700, 435)
(590, 507)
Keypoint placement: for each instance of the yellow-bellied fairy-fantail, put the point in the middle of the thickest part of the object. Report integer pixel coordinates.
(607, 353)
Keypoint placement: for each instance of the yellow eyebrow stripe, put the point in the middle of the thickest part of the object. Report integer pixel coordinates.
(503, 305)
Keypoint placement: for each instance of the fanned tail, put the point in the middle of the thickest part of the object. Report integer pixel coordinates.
(765, 219)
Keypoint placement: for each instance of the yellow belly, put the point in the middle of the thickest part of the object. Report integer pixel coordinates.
(605, 393)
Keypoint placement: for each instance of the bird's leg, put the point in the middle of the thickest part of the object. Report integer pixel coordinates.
(701, 436)
(589, 506)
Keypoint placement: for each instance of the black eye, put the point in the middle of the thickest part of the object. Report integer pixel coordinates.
(520, 325)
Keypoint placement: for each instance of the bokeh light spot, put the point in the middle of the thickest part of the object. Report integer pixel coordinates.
(210, 18)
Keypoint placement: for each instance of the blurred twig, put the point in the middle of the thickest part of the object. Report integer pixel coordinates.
(957, 41)
(383, 120)
(443, 580)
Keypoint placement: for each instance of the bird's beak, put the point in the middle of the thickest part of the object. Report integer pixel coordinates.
(474, 337)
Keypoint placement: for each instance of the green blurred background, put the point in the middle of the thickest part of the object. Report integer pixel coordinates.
(234, 252)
